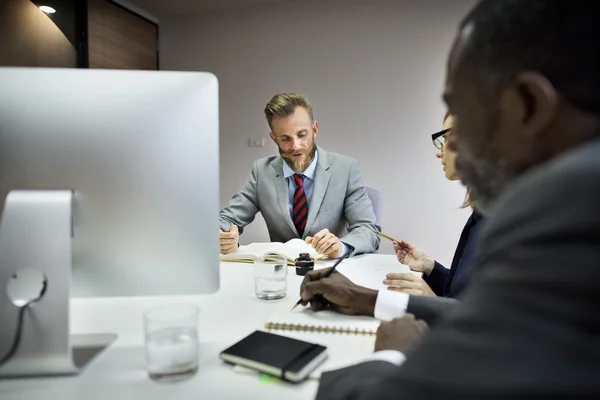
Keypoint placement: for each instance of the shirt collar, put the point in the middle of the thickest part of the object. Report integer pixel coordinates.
(308, 172)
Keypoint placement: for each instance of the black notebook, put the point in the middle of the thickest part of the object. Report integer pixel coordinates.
(290, 359)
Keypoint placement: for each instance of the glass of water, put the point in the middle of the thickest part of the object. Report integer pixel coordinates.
(270, 277)
(172, 342)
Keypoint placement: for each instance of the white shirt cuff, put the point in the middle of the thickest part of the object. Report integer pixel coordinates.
(391, 356)
(345, 248)
(390, 304)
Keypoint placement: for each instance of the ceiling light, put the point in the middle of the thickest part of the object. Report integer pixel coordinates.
(47, 10)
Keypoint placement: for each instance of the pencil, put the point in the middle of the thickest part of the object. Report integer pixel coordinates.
(383, 235)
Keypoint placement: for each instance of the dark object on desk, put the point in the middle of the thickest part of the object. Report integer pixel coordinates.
(304, 263)
(289, 359)
(327, 273)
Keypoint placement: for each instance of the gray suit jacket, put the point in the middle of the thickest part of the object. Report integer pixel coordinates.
(529, 323)
(339, 197)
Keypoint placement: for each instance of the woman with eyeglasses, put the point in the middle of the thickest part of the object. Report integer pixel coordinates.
(438, 280)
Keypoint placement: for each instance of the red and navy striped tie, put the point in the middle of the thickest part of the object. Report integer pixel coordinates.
(300, 212)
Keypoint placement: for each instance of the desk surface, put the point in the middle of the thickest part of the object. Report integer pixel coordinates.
(225, 317)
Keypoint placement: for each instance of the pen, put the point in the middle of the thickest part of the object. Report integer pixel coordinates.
(326, 274)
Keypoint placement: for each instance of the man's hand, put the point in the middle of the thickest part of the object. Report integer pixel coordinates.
(408, 254)
(325, 242)
(408, 283)
(229, 240)
(338, 292)
(400, 334)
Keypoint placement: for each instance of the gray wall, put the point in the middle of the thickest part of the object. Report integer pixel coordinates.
(374, 72)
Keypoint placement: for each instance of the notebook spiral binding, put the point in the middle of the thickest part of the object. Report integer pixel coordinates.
(274, 326)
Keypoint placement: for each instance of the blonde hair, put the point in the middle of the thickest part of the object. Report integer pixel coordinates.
(469, 201)
(284, 105)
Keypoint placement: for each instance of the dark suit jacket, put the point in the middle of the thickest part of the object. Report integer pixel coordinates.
(451, 282)
(528, 324)
(448, 284)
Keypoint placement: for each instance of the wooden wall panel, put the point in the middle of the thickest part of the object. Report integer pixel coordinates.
(119, 39)
(29, 38)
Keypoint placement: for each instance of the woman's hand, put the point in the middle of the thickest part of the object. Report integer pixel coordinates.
(408, 254)
(408, 283)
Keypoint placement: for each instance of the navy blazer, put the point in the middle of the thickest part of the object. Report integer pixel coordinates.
(450, 282)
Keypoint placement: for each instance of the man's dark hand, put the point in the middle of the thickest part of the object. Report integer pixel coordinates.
(400, 334)
(338, 292)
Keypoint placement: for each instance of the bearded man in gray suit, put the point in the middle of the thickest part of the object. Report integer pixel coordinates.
(305, 192)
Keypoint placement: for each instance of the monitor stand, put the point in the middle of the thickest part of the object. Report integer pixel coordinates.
(35, 238)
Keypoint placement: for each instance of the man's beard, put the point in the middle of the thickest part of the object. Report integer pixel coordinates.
(303, 163)
(482, 169)
(487, 180)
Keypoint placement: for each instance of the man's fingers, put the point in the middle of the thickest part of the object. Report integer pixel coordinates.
(406, 316)
(422, 326)
(308, 240)
(323, 243)
(318, 303)
(228, 235)
(327, 250)
(227, 250)
(314, 275)
(311, 276)
(320, 235)
(326, 244)
(228, 245)
(312, 289)
(319, 239)
(228, 242)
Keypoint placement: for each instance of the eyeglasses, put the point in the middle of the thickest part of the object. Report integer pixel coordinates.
(439, 139)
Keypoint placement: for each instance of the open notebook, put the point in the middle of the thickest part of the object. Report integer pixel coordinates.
(305, 320)
(290, 250)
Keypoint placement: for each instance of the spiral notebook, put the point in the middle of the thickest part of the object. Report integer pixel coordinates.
(327, 321)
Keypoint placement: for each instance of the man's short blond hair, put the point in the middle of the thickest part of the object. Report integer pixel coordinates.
(284, 105)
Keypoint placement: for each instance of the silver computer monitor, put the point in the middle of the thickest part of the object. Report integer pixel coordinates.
(139, 150)
(108, 187)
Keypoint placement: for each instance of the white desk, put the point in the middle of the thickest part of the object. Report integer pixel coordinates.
(119, 372)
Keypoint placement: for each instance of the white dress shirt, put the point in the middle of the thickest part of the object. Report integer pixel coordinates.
(309, 180)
